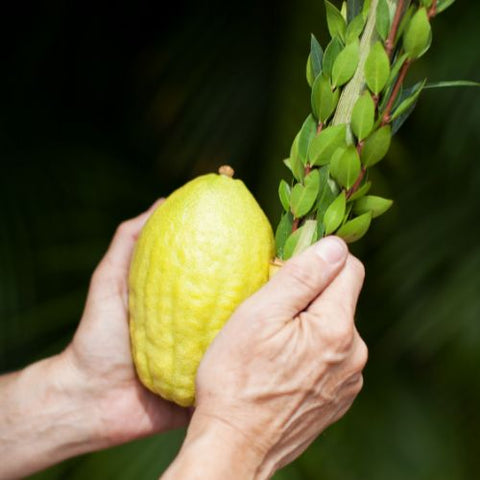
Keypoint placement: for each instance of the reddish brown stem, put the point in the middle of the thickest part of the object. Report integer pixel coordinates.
(357, 183)
(319, 127)
(396, 90)
(433, 9)
(390, 42)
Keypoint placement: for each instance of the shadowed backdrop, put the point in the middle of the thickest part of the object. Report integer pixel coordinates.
(106, 107)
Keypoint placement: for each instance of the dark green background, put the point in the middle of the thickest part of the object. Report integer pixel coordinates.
(107, 106)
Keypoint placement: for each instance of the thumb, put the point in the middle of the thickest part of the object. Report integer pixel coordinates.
(301, 280)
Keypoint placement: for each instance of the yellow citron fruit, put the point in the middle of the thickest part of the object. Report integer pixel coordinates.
(201, 253)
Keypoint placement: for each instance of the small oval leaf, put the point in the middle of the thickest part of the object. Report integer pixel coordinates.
(316, 56)
(363, 116)
(331, 53)
(383, 19)
(355, 28)
(345, 64)
(335, 21)
(375, 205)
(283, 231)
(345, 166)
(326, 196)
(291, 243)
(410, 98)
(377, 69)
(295, 161)
(355, 229)
(418, 35)
(376, 146)
(307, 237)
(324, 100)
(363, 190)
(284, 192)
(323, 146)
(334, 215)
(303, 197)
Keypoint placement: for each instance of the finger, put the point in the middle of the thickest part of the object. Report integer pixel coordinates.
(120, 250)
(304, 277)
(341, 296)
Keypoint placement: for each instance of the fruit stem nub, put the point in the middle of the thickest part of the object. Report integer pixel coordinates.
(227, 171)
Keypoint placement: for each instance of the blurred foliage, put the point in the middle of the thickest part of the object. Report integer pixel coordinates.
(107, 107)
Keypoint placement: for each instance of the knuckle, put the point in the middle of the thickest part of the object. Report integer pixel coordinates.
(340, 336)
(363, 355)
(123, 229)
(359, 384)
(359, 358)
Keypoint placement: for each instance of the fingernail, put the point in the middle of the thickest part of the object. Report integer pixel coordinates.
(332, 249)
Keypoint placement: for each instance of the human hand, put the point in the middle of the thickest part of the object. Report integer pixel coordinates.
(99, 356)
(287, 364)
(88, 397)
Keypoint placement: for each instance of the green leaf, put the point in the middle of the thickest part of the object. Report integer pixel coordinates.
(314, 63)
(400, 120)
(303, 197)
(326, 195)
(307, 132)
(324, 100)
(355, 229)
(288, 163)
(283, 231)
(383, 19)
(376, 205)
(355, 28)
(396, 67)
(443, 5)
(376, 146)
(309, 72)
(323, 146)
(291, 243)
(345, 166)
(320, 230)
(418, 35)
(296, 161)
(345, 64)
(407, 16)
(334, 215)
(307, 237)
(284, 192)
(426, 3)
(331, 53)
(452, 83)
(377, 68)
(335, 21)
(363, 190)
(354, 7)
(363, 116)
(411, 98)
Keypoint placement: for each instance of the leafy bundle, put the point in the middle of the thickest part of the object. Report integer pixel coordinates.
(358, 101)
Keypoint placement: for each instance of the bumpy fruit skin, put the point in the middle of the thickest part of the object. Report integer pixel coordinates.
(201, 253)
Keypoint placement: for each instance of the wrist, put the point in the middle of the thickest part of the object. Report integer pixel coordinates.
(46, 420)
(214, 449)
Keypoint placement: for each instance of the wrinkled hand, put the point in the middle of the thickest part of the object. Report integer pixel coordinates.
(289, 361)
(99, 356)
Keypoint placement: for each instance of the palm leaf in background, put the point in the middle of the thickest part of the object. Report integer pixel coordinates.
(105, 111)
